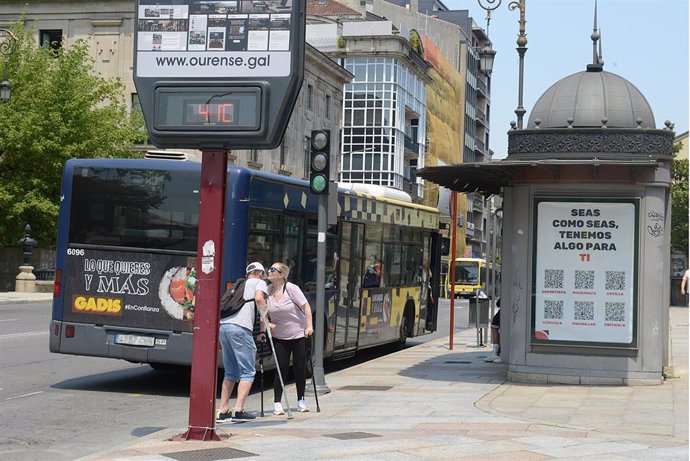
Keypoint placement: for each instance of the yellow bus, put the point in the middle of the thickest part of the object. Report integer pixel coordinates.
(469, 277)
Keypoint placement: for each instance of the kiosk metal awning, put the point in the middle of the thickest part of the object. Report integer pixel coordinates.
(488, 178)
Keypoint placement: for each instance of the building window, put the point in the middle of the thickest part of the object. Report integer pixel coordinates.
(307, 155)
(328, 106)
(310, 97)
(50, 39)
(283, 151)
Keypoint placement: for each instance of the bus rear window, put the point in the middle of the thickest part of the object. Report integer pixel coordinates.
(149, 209)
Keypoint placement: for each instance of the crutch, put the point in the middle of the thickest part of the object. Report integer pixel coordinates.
(313, 379)
(261, 369)
(275, 359)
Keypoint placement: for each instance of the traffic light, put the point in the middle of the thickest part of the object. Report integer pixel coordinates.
(320, 164)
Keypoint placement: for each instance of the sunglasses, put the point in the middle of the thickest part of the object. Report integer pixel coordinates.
(273, 269)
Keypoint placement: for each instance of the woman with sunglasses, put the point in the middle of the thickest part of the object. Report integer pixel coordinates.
(291, 327)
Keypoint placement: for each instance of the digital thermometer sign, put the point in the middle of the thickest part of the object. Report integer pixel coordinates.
(218, 74)
(222, 109)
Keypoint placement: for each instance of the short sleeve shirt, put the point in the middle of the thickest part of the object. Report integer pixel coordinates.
(287, 314)
(245, 317)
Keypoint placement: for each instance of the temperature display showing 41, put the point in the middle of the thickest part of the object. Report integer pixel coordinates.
(197, 113)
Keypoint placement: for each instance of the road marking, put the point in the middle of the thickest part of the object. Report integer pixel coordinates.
(24, 395)
(8, 320)
(21, 335)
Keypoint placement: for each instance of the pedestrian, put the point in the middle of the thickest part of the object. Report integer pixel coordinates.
(684, 284)
(238, 347)
(372, 277)
(495, 357)
(291, 327)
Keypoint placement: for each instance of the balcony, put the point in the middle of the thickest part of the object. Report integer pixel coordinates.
(412, 147)
(419, 61)
(478, 202)
(481, 87)
(480, 116)
(479, 145)
(413, 189)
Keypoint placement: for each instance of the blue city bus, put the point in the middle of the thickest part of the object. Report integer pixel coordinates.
(126, 258)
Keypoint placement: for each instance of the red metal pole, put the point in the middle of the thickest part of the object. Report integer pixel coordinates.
(202, 393)
(453, 252)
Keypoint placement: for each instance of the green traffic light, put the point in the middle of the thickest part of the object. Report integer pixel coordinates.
(318, 183)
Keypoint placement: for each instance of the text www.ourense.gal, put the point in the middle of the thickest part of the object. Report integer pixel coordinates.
(251, 62)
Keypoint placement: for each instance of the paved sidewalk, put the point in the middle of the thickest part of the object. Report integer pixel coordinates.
(428, 402)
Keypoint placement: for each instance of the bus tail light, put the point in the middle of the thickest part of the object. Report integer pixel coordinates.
(56, 285)
(69, 331)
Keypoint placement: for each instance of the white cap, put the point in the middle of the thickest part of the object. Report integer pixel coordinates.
(256, 266)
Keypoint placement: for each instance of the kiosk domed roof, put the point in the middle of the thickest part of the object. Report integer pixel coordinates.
(587, 98)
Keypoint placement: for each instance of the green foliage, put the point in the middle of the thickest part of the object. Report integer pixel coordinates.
(415, 42)
(340, 42)
(679, 203)
(60, 108)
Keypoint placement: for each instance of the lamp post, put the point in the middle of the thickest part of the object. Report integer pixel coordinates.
(7, 47)
(491, 5)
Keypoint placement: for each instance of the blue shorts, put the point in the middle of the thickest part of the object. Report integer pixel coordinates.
(239, 352)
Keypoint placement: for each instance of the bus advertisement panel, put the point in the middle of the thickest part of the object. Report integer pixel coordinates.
(142, 290)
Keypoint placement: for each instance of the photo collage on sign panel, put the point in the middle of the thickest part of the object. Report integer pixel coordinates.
(215, 25)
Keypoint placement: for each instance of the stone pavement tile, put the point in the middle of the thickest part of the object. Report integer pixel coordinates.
(601, 448)
(546, 441)
(392, 456)
(589, 410)
(605, 457)
(643, 427)
(493, 427)
(560, 399)
(457, 451)
(372, 446)
(672, 453)
(547, 428)
(521, 455)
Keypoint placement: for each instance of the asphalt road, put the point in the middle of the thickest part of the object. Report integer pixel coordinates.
(64, 407)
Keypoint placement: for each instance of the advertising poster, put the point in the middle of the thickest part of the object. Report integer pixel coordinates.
(130, 289)
(585, 269)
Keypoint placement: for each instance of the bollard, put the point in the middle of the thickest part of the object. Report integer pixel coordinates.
(25, 282)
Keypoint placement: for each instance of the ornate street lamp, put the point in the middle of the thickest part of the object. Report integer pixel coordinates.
(7, 47)
(491, 5)
(486, 60)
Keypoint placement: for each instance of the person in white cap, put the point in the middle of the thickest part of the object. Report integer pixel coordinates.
(239, 349)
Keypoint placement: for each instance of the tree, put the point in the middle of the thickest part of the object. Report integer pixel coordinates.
(60, 108)
(679, 203)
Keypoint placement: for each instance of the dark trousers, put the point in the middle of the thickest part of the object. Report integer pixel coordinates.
(298, 349)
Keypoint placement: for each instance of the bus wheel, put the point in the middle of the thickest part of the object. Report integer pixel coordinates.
(402, 339)
(405, 326)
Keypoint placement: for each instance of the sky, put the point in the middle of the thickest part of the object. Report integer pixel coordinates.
(643, 41)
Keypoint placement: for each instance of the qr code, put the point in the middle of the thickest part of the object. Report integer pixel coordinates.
(584, 280)
(584, 310)
(615, 280)
(553, 309)
(614, 312)
(553, 278)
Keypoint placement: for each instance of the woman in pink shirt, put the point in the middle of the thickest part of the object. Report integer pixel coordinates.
(291, 327)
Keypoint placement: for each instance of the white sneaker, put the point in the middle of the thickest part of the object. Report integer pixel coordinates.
(498, 360)
(302, 406)
(278, 409)
(492, 358)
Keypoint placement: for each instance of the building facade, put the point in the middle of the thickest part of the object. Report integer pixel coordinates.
(108, 27)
